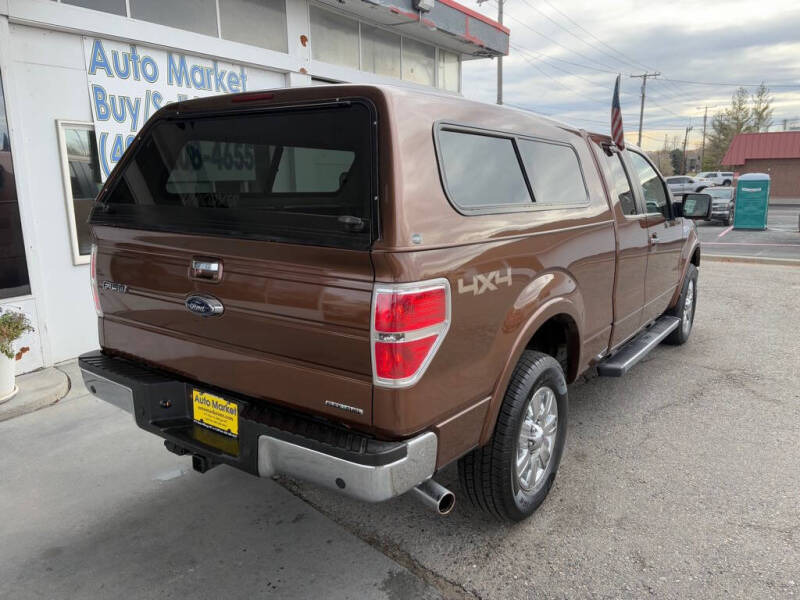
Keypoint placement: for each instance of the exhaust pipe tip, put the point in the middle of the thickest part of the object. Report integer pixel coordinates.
(436, 496)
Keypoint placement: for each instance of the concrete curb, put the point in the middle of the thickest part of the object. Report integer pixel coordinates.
(786, 262)
(36, 390)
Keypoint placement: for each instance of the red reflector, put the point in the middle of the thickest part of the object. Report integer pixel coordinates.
(403, 359)
(253, 97)
(396, 312)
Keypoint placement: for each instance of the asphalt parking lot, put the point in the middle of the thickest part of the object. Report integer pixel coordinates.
(781, 239)
(679, 480)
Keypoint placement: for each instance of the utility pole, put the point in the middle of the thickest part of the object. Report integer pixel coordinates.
(499, 58)
(685, 139)
(703, 147)
(644, 77)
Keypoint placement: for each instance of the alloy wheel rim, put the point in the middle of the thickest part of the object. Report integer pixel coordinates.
(536, 440)
(688, 308)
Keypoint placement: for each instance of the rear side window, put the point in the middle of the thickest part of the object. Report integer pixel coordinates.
(481, 171)
(554, 172)
(299, 176)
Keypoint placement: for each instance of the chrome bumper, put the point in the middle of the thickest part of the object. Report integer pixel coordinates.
(364, 482)
(274, 456)
(112, 392)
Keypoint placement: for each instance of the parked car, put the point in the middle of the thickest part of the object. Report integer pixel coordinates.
(724, 178)
(358, 285)
(722, 204)
(683, 184)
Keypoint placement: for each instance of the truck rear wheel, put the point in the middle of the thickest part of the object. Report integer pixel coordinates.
(684, 309)
(511, 475)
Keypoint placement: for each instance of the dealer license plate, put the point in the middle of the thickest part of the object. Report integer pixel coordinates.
(215, 413)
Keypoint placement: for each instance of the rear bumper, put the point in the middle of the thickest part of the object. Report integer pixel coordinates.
(271, 440)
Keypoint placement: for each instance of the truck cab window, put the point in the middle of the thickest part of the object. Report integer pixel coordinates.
(620, 185)
(653, 192)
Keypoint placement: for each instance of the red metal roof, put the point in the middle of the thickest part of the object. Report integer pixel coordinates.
(778, 144)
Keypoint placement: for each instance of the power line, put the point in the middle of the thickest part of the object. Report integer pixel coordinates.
(574, 64)
(557, 43)
(577, 37)
(528, 51)
(631, 62)
(717, 83)
(546, 74)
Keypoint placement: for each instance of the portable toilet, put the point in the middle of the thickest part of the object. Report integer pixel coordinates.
(752, 201)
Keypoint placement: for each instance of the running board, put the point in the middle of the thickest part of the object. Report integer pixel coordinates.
(635, 350)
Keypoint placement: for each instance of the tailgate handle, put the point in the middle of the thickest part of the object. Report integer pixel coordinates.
(206, 269)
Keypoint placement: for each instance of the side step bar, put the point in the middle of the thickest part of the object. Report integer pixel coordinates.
(635, 350)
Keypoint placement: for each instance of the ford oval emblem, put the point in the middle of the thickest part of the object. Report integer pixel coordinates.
(205, 306)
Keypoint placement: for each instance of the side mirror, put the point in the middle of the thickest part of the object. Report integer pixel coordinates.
(696, 206)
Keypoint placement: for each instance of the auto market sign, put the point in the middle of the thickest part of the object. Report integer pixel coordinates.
(128, 83)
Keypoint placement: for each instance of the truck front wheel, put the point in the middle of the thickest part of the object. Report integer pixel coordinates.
(684, 309)
(512, 475)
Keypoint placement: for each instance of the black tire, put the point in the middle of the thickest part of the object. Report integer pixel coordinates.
(681, 334)
(726, 182)
(488, 474)
(700, 189)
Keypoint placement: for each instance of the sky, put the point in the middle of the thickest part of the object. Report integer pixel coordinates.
(565, 55)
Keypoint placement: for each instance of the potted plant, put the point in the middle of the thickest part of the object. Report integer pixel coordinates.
(13, 325)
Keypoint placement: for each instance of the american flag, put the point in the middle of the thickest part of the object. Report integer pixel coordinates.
(617, 133)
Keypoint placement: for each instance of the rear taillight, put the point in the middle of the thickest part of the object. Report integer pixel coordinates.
(93, 280)
(409, 322)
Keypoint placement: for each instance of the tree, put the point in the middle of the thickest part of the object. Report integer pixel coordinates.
(762, 109)
(747, 113)
(662, 160)
(676, 158)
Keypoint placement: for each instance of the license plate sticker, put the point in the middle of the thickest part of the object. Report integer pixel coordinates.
(215, 413)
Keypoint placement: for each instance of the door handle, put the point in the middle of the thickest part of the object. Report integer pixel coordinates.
(207, 269)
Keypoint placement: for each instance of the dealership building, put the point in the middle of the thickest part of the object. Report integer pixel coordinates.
(78, 78)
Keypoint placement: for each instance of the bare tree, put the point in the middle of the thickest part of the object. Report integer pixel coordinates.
(747, 113)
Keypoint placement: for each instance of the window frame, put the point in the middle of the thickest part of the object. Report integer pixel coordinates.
(640, 189)
(493, 209)
(637, 200)
(62, 124)
(375, 229)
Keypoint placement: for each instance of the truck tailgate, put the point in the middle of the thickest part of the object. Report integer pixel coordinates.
(295, 327)
(281, 202)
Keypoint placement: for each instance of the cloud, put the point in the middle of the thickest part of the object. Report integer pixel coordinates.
(571, 75)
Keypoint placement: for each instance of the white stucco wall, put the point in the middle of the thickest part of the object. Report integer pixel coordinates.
(48, 72)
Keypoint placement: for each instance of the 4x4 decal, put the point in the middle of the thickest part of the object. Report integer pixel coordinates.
(485, 282)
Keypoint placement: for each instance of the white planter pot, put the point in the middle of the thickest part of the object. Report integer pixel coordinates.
(7, 387)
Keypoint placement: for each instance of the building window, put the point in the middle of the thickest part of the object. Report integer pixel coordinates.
(380, 51)
(419, 62)
(199, 16)
(256, 22)
(449, 71)
(115, 7)
(81, 171)
(13, 266)
(334, 39)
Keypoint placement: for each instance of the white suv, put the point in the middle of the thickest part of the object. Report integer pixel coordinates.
(683, 184)
(716, 177)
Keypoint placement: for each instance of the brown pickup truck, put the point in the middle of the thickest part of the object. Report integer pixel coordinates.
(358, 285)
